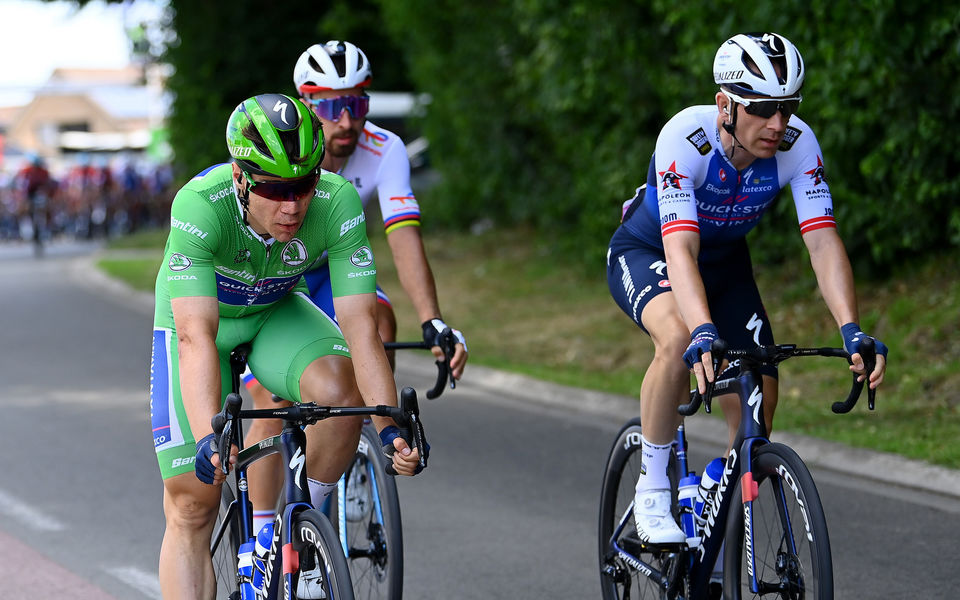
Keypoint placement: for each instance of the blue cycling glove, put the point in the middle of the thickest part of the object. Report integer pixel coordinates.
(700, 341)
(392, 432)
(852, 336)
(203, 467)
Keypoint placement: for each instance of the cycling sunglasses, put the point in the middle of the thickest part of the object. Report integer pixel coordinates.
(331, 108)
(288, 189)
(767, 107)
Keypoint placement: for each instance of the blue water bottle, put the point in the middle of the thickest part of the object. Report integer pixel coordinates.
(264, 540)
(245, 567)
(687, 492)
(708, 484)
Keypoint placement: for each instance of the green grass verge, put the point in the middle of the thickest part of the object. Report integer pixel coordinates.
(525, 311)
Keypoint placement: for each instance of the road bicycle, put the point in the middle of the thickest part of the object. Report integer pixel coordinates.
(304, 552)
(776, 541)
(366, 507)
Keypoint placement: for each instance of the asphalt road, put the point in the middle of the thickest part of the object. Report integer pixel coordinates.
(507, 508)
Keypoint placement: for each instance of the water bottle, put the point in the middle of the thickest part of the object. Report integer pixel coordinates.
(708, 484)
(245, 567)
(261, 547)
(687, 491)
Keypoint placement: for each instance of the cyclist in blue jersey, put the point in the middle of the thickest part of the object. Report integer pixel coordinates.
(679, 266)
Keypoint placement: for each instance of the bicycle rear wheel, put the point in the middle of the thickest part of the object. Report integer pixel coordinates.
(374, 531)
(790, 540)
(224, 551)
(618, 579)
(316, 542)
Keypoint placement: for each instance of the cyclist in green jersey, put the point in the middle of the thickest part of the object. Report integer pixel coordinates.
(241, 236)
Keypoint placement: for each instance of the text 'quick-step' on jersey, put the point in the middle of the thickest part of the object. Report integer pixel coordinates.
(692, 185)
(212, 252)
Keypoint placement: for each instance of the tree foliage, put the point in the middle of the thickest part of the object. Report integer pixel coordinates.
(547, 112)
(224, 54)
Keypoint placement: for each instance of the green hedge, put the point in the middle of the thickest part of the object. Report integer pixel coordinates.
(547, 112)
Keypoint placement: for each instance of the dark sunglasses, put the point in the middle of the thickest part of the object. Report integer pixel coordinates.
(331, 108)
(767, 107)
(287, 189)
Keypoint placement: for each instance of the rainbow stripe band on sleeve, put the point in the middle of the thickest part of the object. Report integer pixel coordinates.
(399, 220)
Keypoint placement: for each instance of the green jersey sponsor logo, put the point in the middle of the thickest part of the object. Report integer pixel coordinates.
(179, 262)
(188, 227)
(294, 253)
(350, 224)
(363, 257)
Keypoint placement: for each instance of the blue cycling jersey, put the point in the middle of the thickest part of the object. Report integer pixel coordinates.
(693, 186)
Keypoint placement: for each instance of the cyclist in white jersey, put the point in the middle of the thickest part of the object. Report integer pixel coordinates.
(679, 266)
(331, 79)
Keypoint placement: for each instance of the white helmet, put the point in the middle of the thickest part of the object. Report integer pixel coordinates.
(335, 65)
(745, 64)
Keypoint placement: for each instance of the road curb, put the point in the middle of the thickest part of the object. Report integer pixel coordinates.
(887, 468)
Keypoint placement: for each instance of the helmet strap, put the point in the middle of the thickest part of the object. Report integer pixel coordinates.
(243, 195)
(731, 126)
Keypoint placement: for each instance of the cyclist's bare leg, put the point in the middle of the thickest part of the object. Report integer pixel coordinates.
(387, 328)
(265, 477)
(190, 508)
(667, 380)
(331, 444)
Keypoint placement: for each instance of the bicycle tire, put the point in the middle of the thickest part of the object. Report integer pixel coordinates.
(374, 526)
(316, 542)
(617, 492)
(778, 509)
(224, 553)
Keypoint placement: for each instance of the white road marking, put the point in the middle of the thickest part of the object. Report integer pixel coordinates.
(28, 515)
(146, 583)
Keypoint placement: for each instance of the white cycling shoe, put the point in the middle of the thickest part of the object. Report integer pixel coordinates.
(310, 585)
(655, 523)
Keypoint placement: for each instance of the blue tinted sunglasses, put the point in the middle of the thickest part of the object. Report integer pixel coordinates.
(331, 108)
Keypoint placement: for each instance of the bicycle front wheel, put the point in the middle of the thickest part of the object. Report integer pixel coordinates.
(618, 578)
(373, 526)
(789, 545)
(323, 571)
(224, 550)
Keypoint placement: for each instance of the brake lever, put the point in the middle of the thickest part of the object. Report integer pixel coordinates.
(447, 342)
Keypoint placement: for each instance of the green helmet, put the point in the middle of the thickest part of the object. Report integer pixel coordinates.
(274, 134)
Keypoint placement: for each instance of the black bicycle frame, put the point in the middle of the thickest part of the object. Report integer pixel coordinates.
(751, 433)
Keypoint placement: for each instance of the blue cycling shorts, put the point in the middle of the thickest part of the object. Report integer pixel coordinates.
(637, 272)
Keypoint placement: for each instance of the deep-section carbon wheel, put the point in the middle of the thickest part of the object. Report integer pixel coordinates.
(616, 496)
(790, 544)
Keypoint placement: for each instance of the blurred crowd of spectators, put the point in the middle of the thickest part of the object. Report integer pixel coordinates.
(89, 197)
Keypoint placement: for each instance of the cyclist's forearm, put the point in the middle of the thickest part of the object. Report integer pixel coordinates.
(199, 382)
(196, 320)
(834, 274)
(357, 317)
(414, 271)
(685, 280)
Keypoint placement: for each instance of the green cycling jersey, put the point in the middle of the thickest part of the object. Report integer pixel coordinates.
(211, 251)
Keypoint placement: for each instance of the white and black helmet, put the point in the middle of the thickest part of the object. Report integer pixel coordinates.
(746, 65)
(335, 65)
